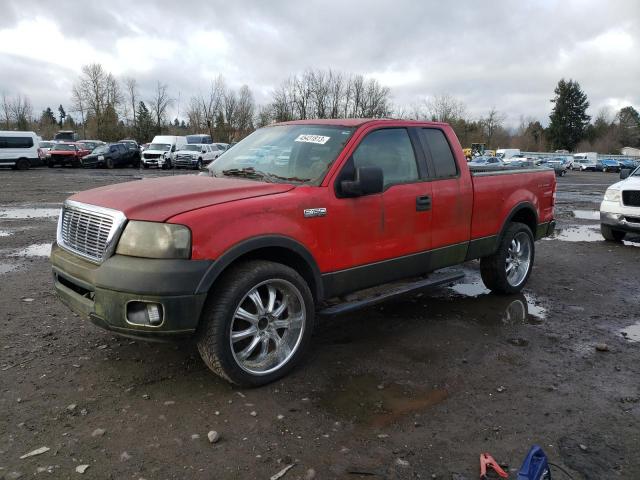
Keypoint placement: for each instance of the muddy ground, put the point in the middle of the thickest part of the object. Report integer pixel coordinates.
(414, 388)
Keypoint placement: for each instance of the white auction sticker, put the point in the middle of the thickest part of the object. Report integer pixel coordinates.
(313, 139)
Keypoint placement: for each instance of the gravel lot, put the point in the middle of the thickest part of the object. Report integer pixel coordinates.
(414, 388)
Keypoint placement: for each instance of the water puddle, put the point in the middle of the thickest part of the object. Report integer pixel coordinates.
(7, 267)
(587, 214)
(578, 233)
(632, 332)
(36, 250)
(365, 400)
(515, 309)
(22, 213)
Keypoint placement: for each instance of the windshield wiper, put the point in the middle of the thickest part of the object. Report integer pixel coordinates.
(250, 172)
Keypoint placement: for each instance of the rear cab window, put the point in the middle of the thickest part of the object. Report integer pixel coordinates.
(438, 151)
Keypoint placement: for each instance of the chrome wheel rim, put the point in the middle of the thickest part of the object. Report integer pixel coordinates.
(267, 327)
(518, 259)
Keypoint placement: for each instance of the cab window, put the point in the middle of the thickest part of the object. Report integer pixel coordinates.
(391, 150)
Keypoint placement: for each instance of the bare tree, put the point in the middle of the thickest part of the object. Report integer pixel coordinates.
(245, 110)
(491, 123)
(195, 115)
(6, 111)
(21, 111)
(445, 108)
(159, 104)
(212, 102)
(131, 86)
(78, 105)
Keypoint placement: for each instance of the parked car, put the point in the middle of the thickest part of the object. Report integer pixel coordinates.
(66, 136)
(620, 208)
(584, 164)
(144, 146)
(90, 145)
(223, 146)
(628, 163)
(199, 138)
(559, 165)
(112, 155)
(133, 147)
(486, 162)
(608, 165)
(244, 255)
(161, 152)
(195, 156)
(65, 153)
(19, 150)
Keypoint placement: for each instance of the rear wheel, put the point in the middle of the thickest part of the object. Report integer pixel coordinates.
(23, 164)
(610, 234)
(507, 270)
(257, 323)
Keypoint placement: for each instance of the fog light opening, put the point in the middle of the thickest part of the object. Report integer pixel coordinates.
(145, 313)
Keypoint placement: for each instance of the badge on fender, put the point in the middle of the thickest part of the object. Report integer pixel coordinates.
(315, 212)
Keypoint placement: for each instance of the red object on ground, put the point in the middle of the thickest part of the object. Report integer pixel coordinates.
(487, 460)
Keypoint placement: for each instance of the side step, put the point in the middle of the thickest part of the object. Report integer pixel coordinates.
(379, 294)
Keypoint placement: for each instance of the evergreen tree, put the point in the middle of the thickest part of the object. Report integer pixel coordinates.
(62, 114)
(145, 123)
(629, 123)
(569, 119)
(176, 122)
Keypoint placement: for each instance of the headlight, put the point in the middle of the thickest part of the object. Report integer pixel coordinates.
(612, 195)
(155, 240)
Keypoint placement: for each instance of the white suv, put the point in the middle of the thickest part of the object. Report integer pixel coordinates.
(620, 209)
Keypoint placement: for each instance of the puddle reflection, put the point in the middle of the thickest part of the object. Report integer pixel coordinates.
(632, 332)
(587, 214)
(36, 250)
(23, 213)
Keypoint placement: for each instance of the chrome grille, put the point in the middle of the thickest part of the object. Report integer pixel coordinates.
(88, 230)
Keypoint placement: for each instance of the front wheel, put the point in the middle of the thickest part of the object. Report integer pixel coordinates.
(507, 270)
(257, 323)
(611, 234)
(199, 165)
(109, 162)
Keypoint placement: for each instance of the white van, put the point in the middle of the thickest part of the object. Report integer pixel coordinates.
(507, 153)
(162, 151)
(19, 150)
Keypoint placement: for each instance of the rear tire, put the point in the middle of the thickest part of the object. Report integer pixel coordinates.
(22, 164)
(261, 351)
(509, 268)
(610, 234)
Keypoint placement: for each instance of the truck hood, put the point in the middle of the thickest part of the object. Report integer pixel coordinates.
(629, 183)
(158, 199)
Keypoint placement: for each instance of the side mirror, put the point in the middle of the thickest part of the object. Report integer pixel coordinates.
(173, 148)
(368, 180)
(204, 150)
(624, 173)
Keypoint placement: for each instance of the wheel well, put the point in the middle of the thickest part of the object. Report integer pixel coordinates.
(528, 217)
(286, 257)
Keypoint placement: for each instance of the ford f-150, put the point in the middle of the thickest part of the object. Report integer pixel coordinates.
(283, 226)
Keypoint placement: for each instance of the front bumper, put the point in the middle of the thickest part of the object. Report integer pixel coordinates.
(626, 219)
(102, 292)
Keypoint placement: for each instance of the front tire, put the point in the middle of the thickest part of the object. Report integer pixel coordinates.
(257, 323)
(109, 163)
(199, 165)
(610, 234)
(508, 269)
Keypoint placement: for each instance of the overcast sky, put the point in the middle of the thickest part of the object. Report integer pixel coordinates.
(507, 54)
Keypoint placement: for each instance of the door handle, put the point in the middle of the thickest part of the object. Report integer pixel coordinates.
(423, 203)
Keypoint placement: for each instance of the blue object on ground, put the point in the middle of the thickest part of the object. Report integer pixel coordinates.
(535, 466)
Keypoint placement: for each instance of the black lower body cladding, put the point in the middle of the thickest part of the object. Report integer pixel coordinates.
(105, 293)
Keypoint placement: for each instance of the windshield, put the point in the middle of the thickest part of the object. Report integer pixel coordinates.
(65, 148)
(102, 149)
(46, 144)
(159, 146)
(284, 153)
(193, 148)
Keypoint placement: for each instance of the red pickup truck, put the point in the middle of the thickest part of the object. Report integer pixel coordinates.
(283, 226)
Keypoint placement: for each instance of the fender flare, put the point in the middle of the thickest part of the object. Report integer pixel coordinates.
(514, 211)
(256, 243)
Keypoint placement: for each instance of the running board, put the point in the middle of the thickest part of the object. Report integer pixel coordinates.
(392, 290)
